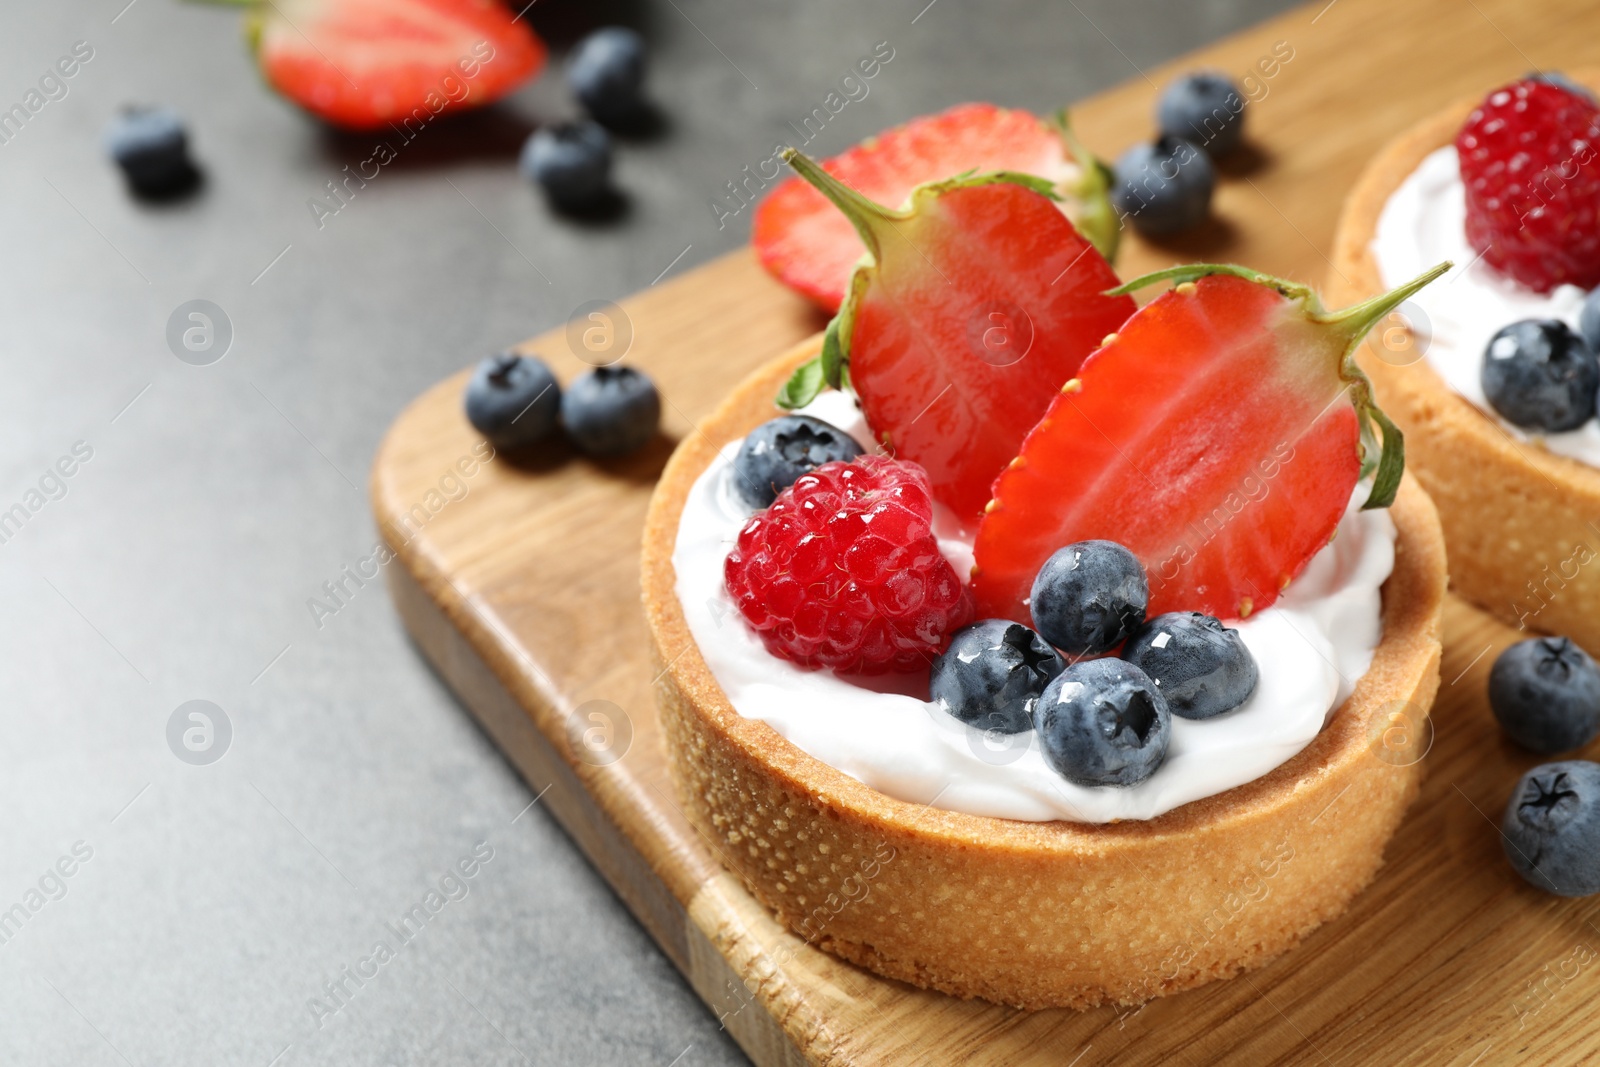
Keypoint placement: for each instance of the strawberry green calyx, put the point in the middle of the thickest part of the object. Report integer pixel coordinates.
(1095, 216)
(1337, 334)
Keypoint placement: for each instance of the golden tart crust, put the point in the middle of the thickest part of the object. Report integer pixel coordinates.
(1519, 520)
(1048, 914)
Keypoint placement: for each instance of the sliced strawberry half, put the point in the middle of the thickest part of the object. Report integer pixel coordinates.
(974, 304)
(362, 64)
(811, 248)
(1219, 436)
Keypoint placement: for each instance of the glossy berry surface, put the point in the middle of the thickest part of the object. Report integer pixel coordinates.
(992, 675)
(843, 571)
(1527, 158)
(1540, 375)
(1545, 693)
(1205, 109)
(1165, 187)
(1104, 722)
(513, 400)
(1089, 597)
(607, 73)
(1202, 667)
(611, 411)
(1551, 828)
(780, 450)
(571, 162)
(152, 148)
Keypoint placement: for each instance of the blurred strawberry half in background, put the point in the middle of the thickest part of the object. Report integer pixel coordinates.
(364, 64)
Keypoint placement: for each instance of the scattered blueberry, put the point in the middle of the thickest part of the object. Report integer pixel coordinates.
(1561, 81)
(513, 400)
(607, 73)
(1205, 109)
(1589, 321)
(572, 162)
(1103, 722)
(1163, 188)
(152, 148)
(1089, 597)
(1545, 692)
(992, 674)
(1540, 375)
(1551, 829)
(781, 450)
(611, 411)
(1202, 667)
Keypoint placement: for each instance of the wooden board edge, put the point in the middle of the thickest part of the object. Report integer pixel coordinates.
(541, 764)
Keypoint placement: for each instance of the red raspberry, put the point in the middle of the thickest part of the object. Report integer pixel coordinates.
(1533, 184)
(843, 570)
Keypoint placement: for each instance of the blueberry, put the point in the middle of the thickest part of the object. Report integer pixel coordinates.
(607, 73)
(992, 674)
(152, 148)
(1204, 108)
(513, 400)
(1589, 321)
(1103, 722)
(1561, 81)
(1163, 188)
(1089, 597)
(572, 162)
(1551, 829)
(1202, 667)
(611, 411)
(781, 450)
(1545, 693)
(1539, 375)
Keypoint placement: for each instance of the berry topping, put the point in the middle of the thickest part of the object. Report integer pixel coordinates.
(607, 74)
(1540, 375)
(513, 400)
(1163, 188)
(843, 571)
(1551, 829)
(804, 241)
(611, 411)
(1202, 667)
(1090, 597)
(571, 162)
(363, 64)
(1104, 722)
(992, 674)
(1533, 197)
(975, 303)
(152, 148)
(781, 450)
(1205, 109)
(1545, 692)
(1218, 436)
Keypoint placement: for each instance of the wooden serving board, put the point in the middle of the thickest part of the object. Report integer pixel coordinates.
(524, 593)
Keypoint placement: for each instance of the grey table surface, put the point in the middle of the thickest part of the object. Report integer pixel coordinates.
(222, 914)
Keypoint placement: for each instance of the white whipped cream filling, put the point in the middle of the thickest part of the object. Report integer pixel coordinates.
(1311, 647)
(1423, 223)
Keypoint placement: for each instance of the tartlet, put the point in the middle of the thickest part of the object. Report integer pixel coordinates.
(1050, 914)
(1518, 520)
